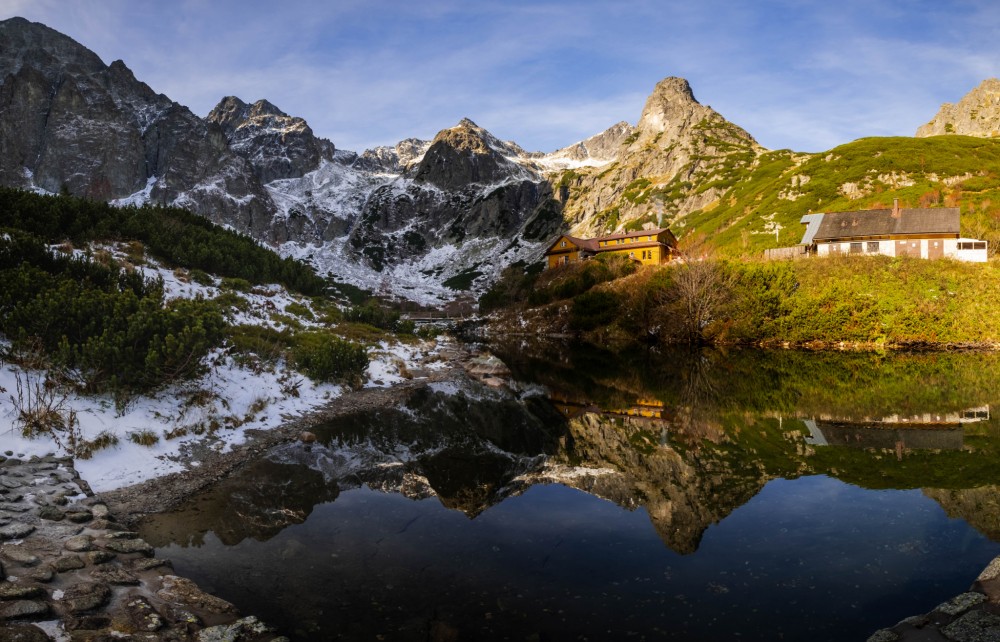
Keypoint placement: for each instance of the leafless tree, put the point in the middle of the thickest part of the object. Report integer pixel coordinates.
(700, 291)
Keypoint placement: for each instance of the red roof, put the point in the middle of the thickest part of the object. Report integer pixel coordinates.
(626, 235)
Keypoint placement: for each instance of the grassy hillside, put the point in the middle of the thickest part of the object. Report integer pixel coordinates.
(763, 205)
(870, 300)
(745, 201)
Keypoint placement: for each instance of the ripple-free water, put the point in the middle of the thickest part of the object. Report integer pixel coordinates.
(625, 503)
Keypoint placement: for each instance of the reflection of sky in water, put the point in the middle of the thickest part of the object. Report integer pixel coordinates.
(812, 558)
(692, 438)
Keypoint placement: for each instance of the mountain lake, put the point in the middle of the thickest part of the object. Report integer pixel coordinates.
(663, 494)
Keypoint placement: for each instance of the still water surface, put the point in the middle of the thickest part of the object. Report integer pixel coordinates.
(706, 496)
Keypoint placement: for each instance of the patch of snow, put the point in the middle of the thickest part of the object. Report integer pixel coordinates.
(552, 163)
(420, 279)
(54, 629)
(222, 405)
(139, 198)
(32, 187)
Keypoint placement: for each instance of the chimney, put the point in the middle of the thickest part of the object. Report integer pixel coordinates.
(895, 208)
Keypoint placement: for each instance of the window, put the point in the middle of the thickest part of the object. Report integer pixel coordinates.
(972, 245)
(873, 246)
(855, 248)
(563, 244)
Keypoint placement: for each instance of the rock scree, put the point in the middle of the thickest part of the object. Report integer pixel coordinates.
(69, 571)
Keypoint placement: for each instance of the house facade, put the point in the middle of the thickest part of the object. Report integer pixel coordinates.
(928, 233)
(647, 247)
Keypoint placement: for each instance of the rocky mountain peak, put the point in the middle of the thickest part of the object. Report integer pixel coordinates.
(671, 108)
(31, 43)
(70, 122)
(465, 136)
(278, 146)
(467, 154)
(228, 113)
(264, 108)
(677, 142)
(398, 158)
(976, 114)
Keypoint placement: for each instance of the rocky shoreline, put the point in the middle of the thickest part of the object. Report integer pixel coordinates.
(973, 616)
(162, 494)
(71, 571)
(72, 568)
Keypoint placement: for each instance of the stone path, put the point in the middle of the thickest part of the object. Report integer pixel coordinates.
(970, 617)
(69, 572)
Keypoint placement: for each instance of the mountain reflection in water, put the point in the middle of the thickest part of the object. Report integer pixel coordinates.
(679, 440)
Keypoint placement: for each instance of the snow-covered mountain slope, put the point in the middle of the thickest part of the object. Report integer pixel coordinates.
(424, 220)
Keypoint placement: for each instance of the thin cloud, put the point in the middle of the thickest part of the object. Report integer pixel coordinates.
(794, 73)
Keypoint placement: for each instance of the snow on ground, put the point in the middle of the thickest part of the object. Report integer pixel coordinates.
(419, 280)
(217, 407)
(214, 410)
(334, 189)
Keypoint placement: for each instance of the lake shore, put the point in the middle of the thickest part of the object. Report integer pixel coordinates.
(73, 563)
(132, 503)
(129, 505)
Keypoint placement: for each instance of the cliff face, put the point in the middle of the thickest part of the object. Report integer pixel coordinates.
(68, 122)
(976, 114)
(467, 186)
(411, 218)
(661, 167)
(277, 145)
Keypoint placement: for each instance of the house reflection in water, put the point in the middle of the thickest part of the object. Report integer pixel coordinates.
(651, 409)
(648, 414)
(920, 432)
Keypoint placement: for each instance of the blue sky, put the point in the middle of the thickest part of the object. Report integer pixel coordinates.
(794, 73)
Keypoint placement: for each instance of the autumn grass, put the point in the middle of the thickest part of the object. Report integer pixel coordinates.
(878, 300)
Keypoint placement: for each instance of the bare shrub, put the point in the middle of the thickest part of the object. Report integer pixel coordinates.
(144, 438)
(42, 410)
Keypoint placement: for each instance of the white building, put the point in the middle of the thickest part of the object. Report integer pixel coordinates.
(928, 233)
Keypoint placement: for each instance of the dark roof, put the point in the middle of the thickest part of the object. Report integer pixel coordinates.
(911, 222)
(592, 245)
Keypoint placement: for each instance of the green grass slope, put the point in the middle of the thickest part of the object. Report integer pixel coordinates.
(763, 204)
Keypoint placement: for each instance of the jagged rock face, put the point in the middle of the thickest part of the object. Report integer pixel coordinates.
(277, 145)
(399, 225)
(467, 154)
(68, 122)
(467, 185)
(677, 146)
(976, 114)
(397, 159)
(603, 147)
(671, 109)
